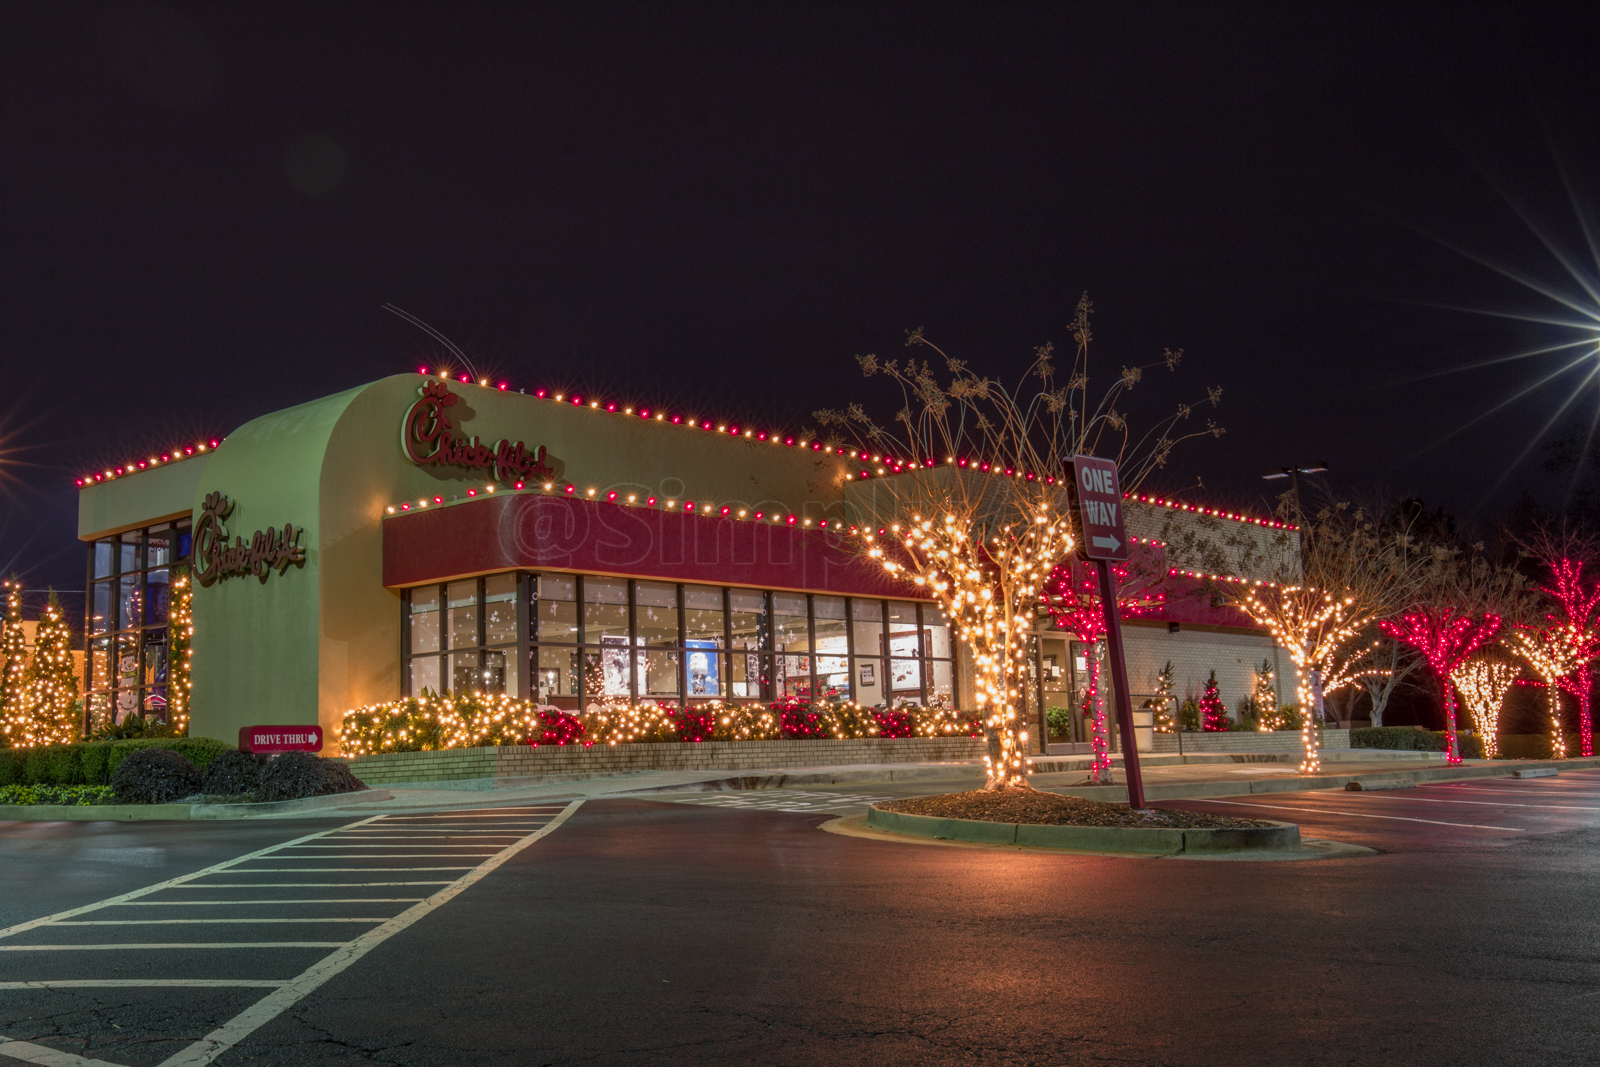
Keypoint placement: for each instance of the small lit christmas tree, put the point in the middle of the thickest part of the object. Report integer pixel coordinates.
(180, 650)
(1214, 716)
(13, 714)
(1166, 708)
(1264, 698)
(50, 691)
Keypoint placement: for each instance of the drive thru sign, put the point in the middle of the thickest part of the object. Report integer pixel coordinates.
(1100, 508)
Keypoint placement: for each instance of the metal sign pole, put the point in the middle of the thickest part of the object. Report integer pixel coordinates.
(1119, 677)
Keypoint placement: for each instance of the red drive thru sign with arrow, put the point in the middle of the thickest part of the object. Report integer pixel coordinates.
(1100, 508)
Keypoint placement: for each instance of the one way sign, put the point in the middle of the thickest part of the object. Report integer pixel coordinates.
(1100, 508)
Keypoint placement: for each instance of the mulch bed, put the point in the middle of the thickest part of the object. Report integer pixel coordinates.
(1053, 809)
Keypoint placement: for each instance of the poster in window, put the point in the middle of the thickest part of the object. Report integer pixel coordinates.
(703, 679)
(867, 675)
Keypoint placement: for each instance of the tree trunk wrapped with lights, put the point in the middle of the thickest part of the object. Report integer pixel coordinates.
(1484, 684)
(966, 497)
(180, 650)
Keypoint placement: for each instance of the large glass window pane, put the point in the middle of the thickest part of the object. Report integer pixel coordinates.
(129, 602)
(607, 674)
(903, 637)
(182, 544)
(100, 663)
(100, 611)
(556, 676)
(500, 609)
(128, 551)
(936, 633)
(463, 604)
(832, 646)
(102, 559)
(158, 549)
(703, 616)
(866, 622)
(707, 670)
(425, 675)
(156, 590)
(464, 676)
(100, 712)
(425, 620)
(656, 610)
(868, 678)
(748, 619)
(127, 679)
(493, 675)
(556, 613)
(750, 676)
(659, 675)
(605, 611)
(792, 633)
(905, 681)
(941, 684)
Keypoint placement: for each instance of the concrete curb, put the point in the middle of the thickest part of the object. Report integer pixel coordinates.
(1158, 841)
(168, 812)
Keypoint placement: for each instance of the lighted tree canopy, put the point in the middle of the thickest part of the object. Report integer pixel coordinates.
(968, 486)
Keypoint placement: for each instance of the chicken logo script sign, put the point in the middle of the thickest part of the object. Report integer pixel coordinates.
(1100, 508)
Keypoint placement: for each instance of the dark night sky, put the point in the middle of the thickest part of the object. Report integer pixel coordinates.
(203, 206)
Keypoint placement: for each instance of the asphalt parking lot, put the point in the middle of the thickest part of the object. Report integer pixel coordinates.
(724, 928)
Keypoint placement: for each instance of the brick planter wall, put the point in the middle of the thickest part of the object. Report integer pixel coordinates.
(522, 761)
(1276, 741)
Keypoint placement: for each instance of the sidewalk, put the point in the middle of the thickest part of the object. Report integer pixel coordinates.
(1166, 777)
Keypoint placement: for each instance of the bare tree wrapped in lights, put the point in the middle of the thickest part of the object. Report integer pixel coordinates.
(975, 511)
(1322, 582)
(1460, 608)
(1575, 612)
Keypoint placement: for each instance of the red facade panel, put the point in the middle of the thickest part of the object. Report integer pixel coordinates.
(530, 531)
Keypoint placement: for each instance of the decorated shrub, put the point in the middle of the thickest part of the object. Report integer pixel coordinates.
(296, 775)
(154, 776)
(433, 722)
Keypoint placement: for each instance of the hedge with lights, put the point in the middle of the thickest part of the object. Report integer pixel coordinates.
(433, 721)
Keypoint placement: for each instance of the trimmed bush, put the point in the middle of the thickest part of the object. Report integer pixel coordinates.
(233, 773)
(94, 762)
(295, 775)
(71, 795)
(1409, 739)
(154, 776)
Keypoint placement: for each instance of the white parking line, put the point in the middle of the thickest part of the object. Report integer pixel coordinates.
(173, 945)
(1480, 803)
(310, 885)
(46, 1057)
(1362, 815)
(285, 900)
(214, 922)
(143, 983)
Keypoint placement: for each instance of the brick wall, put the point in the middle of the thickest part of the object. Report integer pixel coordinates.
(519, 761)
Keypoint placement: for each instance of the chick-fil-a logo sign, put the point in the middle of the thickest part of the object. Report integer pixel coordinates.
(426, 437)
(214, 558)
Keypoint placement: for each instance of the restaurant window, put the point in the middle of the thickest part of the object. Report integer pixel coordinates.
(585, 640)
(127, 603)
(465, 636)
